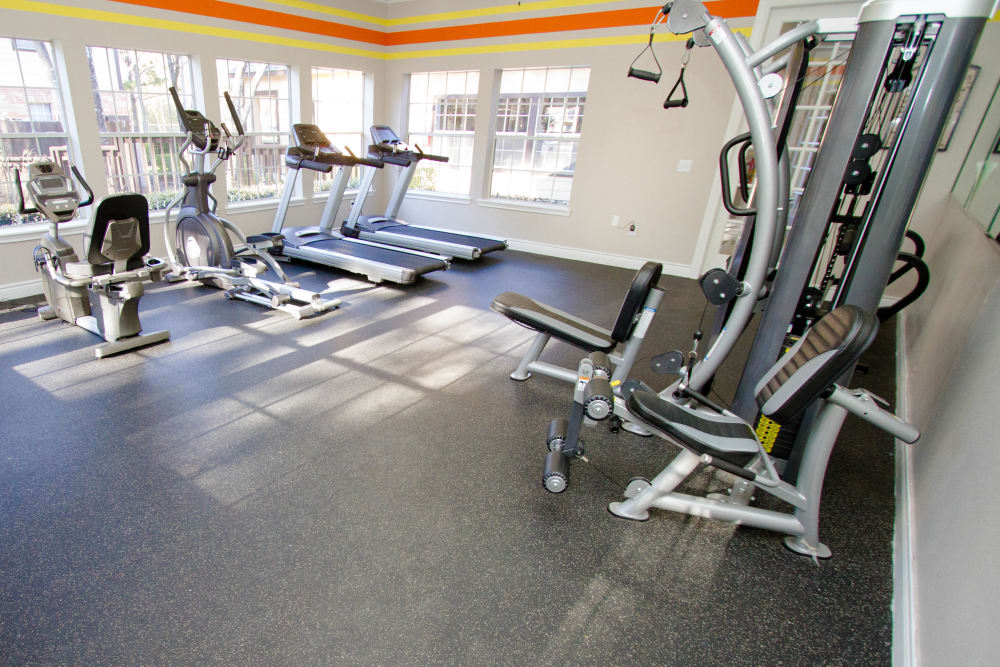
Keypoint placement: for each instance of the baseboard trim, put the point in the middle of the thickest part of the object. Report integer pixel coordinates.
(20, 290)
(904, 629)
(597, 257)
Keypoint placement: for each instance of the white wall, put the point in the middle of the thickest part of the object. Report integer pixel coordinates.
(952, 356)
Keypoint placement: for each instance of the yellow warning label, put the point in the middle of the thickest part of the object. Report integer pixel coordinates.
(767, 432)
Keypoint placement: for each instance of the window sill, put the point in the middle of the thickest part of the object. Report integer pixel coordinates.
(514, 205)
(35, 230)
(439, 196)
(269, 204)
(350, 195)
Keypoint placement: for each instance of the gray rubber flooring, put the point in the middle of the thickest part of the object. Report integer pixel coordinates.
(365, 488)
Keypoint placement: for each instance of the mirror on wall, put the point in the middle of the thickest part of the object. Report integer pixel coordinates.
(978, 184)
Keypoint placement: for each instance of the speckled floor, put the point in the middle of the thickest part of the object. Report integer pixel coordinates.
(365, 487)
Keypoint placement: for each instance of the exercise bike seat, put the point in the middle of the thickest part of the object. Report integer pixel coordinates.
(573, 330)
(85, 269)
(119, 229)
(726, 437)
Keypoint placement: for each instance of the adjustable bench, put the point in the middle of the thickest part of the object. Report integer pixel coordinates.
(636, 312)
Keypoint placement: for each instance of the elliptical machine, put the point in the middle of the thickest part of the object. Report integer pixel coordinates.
(100, 294)
(200, 247)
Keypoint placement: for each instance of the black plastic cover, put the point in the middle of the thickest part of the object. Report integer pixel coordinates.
(645, 279)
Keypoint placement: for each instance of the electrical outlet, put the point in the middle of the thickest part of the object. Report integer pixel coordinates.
(684, 166)
(631, 228)
(616, 221)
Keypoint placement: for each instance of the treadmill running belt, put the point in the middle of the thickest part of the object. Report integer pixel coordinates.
(486, 245)
(377, 254)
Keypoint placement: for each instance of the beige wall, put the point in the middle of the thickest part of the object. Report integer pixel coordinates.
(628, 154)
(952, 353)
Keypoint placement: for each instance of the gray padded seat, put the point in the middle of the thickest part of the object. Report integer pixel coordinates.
(581, 333)
(828, 349)
(540, 317)
(703, 432)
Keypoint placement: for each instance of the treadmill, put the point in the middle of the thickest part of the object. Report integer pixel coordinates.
(323, 244)
(389, 148)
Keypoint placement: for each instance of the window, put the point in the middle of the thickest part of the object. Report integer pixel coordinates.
(31, 113)
(260, 92)
(441, 119)
(539, 118)
(339, 110)
(137, 121)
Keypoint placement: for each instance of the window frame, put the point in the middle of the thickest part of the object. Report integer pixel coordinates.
(535, 113)
(365, 113)
(444, 134)
(158, 198)
(30, 223)
(279, 166)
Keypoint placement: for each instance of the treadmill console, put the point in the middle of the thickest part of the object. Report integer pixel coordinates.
(313, 150)
(390, 148)
(310, 138)
(383, 134)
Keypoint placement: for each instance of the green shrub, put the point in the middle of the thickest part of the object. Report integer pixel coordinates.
(253, 192)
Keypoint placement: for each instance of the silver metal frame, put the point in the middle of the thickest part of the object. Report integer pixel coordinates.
(622, 358)
(802, 524)
(450, 249)
(373, 270)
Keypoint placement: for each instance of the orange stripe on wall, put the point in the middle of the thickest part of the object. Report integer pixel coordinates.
(264, 17)
(563, 23)
(586, 21)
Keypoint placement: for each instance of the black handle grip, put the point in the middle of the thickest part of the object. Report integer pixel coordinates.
(21, 208)
(370, 162)
(741, 168)
(644, 75)
(910, 263)
(232, 112)
(674, 104)
(918, 243)
(392, 159)
(86, 186)
(727, 199)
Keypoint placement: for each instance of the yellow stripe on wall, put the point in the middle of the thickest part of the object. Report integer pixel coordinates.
(180, 26)
(69, 11)
(497, 10)
(544, 46)
(330, 11)
(541, 5)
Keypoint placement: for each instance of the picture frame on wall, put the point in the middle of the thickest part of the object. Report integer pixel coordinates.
(961, 97)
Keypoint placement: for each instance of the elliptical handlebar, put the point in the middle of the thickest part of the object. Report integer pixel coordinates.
(21, 208)
(90, 193)
(236, 120)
